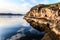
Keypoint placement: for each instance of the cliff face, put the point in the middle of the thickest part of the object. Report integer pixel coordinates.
(45, 18)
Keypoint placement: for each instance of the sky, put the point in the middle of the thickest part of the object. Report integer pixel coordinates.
(21, 6)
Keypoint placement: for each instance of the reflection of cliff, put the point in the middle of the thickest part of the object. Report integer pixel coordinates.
(45, 18)
(26, 33)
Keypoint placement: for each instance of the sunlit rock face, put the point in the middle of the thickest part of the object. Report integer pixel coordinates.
(45, 18)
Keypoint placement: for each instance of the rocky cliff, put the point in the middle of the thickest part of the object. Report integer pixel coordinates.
(45, 18)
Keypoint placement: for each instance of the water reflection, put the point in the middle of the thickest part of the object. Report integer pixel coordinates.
(12, 20)
(9, 16)
(12, 26)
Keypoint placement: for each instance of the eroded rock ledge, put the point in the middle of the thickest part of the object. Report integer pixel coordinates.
(45, 18)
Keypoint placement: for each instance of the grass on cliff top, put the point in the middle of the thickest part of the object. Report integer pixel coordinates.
(46, 6)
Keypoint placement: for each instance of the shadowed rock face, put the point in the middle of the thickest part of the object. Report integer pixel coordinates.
(45, 18)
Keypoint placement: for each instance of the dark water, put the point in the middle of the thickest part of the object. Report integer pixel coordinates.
(8, 32)
(14, 25)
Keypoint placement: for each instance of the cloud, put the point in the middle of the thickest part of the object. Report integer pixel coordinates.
(20, 6)
(58, 0)
(6, 6)
(25, 7)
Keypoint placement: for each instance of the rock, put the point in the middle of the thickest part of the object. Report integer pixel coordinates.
(45, 18)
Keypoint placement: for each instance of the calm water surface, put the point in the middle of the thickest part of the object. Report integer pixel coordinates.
(9, 25)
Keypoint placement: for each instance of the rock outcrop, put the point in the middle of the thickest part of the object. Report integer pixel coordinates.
(45, 18)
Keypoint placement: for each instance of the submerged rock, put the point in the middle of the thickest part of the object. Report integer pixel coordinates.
(45, 18)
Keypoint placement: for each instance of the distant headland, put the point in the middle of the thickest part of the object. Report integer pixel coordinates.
(12, 14)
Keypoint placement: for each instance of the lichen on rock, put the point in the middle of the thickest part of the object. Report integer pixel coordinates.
(45, 18)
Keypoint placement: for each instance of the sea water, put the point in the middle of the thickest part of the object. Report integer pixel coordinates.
(12, 25)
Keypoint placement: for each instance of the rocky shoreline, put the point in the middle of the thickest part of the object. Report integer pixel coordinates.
(45, 18)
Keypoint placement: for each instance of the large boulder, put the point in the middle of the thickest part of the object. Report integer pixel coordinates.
(45, 18)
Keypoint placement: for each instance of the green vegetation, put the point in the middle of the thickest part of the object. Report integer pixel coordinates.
(55, 5)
